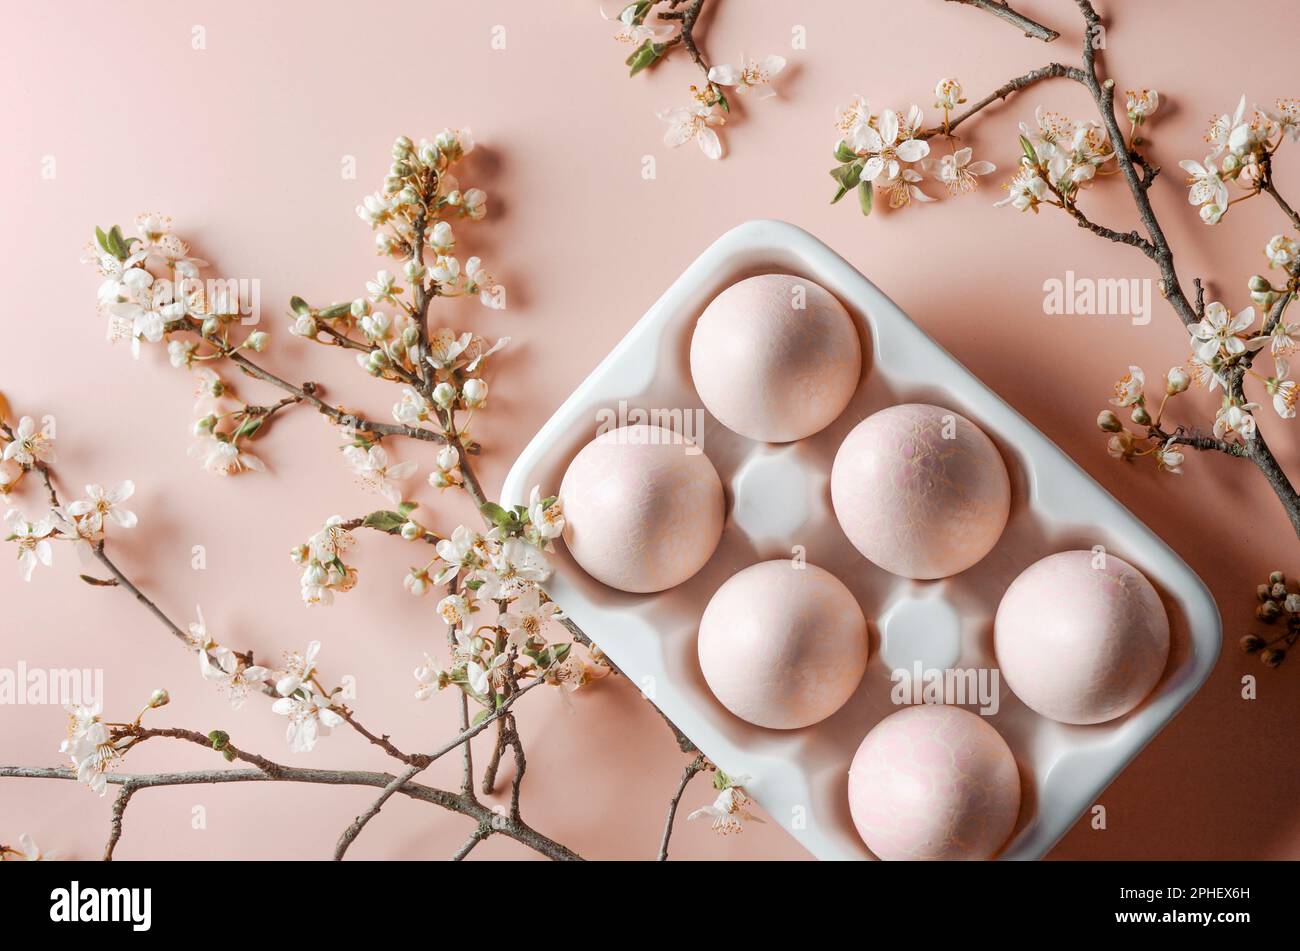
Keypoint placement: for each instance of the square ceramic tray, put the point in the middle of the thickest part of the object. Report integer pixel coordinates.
(778, 497)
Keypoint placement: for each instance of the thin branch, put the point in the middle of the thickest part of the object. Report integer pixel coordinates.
(1003, 11)
(515, 829)
(421, 762)
(687, 19)
(696, 765)
(1103, 93)
(475, 837)
(354, 828)
(1050, 71)
(115, 822)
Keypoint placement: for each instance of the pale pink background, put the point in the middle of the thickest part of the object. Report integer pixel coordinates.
(243, 143)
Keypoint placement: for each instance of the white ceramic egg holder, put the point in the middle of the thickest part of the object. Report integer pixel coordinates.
(778, 497)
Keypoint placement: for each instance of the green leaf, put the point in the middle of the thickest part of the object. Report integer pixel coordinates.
(839, 193)
(384, 521)
(118, 245)
(334, 310)
(102, 240)
(848, 174)
(481, 716)
(299, 306)
(722, 99)
(219, 739)
(406, 508)
(647, 54)
(495, 513)
(474, 585)
(1028, 148)
(843, 152)
(865, 197)
(249, 427)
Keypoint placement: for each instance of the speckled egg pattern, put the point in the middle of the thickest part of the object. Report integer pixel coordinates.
(1081, 637)
(920, 491)
(934, 782)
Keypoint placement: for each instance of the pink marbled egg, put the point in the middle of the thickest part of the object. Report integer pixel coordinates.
(920, 491)
(783, 647)
(770, 369)
(1081, 637)
(934, 782)
(643, 508)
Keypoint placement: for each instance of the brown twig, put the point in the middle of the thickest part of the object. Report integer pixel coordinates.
(115, 822)
(1003, 11)
(478, 835)
(695, 766)
(515, 829)
(1050, 71)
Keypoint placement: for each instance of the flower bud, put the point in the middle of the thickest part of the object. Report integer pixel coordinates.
(1259, 282)
(257, 341)
(1140, 415)
(1292, 604)
(1278, 590)
(1108, 422)
(448, 458)
(299, 554)
(211, 327)
(304, 326)
(204, 426)
(444, 394)
(1268, 611)
(1273, 657)
(1262, 592)
(1252, 643)
(416, 582)
(159, 698)
(475, 393)
(411, 531)
(1176, 381)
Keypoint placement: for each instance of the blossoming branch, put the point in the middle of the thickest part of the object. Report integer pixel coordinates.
(1060, 159)
(490, 576)
(654, 28)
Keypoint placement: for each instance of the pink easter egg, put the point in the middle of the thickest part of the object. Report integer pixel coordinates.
(1081, 637)
(934, 782)
(920, 491)
(643, 508)
(775, 358)
(783, 646)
